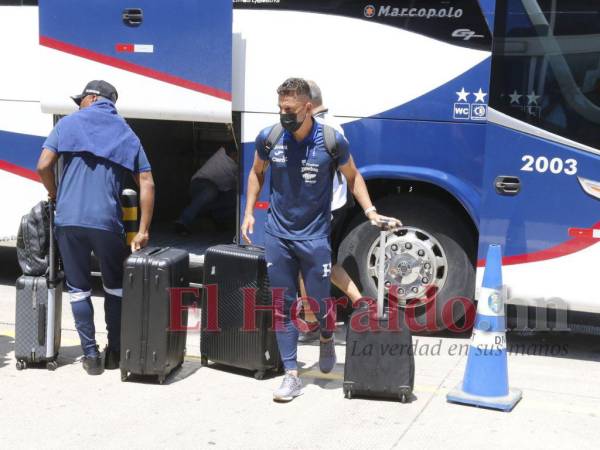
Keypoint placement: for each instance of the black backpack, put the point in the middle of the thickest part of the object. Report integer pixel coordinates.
(33, 240)
(330, 145)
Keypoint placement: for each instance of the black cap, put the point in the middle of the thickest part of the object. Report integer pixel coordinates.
(98, 87)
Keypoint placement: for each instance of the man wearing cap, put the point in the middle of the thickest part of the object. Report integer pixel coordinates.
(99, 151)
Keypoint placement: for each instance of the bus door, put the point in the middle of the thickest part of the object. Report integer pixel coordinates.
(541, 192)
(168, 60)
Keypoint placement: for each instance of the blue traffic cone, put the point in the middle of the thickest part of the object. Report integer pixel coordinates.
(485, 383)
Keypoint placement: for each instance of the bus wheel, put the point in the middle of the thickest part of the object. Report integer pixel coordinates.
(430, 260)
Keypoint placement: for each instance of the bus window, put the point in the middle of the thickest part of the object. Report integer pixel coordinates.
(546, 66)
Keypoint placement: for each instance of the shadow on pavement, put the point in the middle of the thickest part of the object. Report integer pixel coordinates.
(541, 343)
(69, 355)
(187, 369)
(556, 345)
(335, 381)
(66, 355)
(269, 374)
(7, 345)
(332, 380)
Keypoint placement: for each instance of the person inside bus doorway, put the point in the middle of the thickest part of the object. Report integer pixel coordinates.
(212, 189)
(299, 219)
(99, 151)
(341, 203)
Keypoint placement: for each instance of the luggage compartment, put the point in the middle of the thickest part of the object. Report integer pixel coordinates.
(176, 149)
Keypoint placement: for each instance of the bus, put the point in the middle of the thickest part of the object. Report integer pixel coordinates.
(473, 121)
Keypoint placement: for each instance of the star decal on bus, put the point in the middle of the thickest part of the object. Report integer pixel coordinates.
(463, 95)
(480, 96)
(532, 99)
(515, 97)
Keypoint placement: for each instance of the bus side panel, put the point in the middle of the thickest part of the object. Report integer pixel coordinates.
(22, 125)
(364, 68)
(174, 65)
(544, 123)
(22, 132)
(19, 77)
(543, 262)
(442, 153)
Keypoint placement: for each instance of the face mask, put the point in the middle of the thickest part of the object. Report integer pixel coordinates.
(289, 121)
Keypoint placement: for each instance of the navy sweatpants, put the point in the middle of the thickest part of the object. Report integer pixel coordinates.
(75, 245)
(285, 259)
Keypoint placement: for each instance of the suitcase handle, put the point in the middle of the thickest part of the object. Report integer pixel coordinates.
(381, 273)
(52, 256)
(152, 251)
(252, 247)
(157, 250)
(41, 325)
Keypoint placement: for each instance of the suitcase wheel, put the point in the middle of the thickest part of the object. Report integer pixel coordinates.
(123, 375)
(203, 360)
(161, 379)
(51, 365)
(259, 374)
(21, 365)
(348, 394)
(404, 394)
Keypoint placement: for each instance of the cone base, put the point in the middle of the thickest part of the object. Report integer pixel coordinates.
(504, 403)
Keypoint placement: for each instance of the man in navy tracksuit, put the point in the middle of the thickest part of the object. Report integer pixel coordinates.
(99, 151)
(299, 218)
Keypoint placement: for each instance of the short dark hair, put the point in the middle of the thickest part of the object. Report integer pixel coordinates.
(295, 86)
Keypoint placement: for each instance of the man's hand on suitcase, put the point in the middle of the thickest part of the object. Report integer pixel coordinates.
(248, 228)
(386, 223)
(139, 241)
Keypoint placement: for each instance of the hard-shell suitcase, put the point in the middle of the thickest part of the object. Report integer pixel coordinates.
(38, 311)
(379, 353)
(148, 344)
(231, 268)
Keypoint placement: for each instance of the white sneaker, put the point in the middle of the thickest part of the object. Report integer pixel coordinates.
(291, 387)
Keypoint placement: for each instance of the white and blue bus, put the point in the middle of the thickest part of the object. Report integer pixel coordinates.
(473, 121)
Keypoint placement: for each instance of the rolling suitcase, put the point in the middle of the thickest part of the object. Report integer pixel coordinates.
(148, 345)
(38, 311)
(380, 360)
(232, 268)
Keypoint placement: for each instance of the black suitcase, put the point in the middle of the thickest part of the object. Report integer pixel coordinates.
(232, 268)
(380, 363)
(148, 345)
(38, 312)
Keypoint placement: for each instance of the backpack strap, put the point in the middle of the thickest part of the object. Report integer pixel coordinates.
(332, 148)
(273, 138)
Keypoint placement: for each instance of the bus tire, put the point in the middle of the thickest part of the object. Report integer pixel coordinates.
(425, 221)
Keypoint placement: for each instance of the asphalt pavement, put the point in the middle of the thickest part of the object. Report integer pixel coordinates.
(216, 407)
